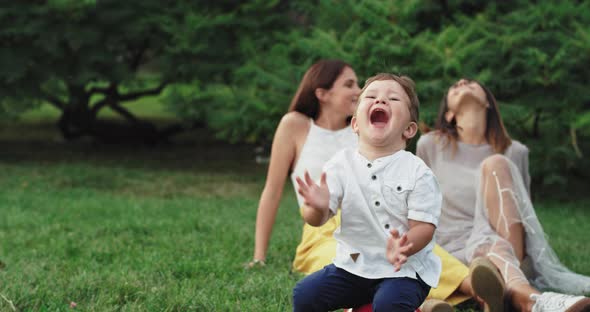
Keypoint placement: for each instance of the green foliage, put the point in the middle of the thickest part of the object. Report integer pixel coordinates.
(531, 56)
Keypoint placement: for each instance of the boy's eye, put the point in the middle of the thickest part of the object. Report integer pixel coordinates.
(393, 99)
(370, 96)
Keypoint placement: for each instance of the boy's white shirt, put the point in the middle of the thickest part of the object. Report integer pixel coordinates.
(376, 197)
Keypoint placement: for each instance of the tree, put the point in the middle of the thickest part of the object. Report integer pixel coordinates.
(83, 56)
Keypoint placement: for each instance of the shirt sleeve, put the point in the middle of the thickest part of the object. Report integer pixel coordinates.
(335, 183)
(425, 200)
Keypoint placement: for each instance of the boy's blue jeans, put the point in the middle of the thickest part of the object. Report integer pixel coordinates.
(333, 288)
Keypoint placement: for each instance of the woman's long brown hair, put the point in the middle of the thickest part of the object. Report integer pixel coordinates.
(496, 134)
(320, 75)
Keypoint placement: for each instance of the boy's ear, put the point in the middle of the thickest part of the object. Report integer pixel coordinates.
(354, 125)
(321, 94)
(411, 130)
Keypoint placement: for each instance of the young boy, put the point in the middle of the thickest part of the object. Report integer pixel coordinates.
(383, 192)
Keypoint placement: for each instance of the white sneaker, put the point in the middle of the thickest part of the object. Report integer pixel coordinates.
(554, 302)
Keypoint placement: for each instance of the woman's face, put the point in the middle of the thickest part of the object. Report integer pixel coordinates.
(464, 93)
(343, 95)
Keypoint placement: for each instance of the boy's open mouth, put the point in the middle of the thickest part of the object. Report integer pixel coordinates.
(378, 117)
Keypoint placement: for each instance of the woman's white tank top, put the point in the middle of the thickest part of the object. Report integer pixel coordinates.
(320, 145)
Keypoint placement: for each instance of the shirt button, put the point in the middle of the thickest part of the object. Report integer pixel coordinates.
(369, 165)
(377, 203)
(399, 188)
(387, 226)
(374, 177)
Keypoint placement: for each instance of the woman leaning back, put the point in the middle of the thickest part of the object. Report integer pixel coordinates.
(487, 216)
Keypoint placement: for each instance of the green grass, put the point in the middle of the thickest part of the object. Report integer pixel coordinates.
(162, 229)
(137, 229)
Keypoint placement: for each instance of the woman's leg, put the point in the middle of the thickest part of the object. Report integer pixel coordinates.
(501, 203)
(518, 288)
(454, 285)
(507, 251)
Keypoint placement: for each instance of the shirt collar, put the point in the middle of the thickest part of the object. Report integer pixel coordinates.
(381, 160)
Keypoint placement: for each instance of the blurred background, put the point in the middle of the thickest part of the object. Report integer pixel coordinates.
(146, 71)
(130, 130)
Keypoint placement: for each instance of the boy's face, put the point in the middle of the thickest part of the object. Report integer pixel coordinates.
(383, 114)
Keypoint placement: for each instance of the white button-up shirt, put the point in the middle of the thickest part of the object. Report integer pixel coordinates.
(376, 197)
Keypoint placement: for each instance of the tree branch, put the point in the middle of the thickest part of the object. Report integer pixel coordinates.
(136, 95)
(53, 100)
(111, 97)
(103, 90)
(99, 105)
(124, 112)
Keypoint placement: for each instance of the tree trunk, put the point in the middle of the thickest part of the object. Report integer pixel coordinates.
(78, 120)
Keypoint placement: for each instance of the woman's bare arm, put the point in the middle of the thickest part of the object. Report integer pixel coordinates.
(283, 153)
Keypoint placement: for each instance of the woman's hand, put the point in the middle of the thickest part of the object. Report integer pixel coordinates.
(256, 263)
(397, 248)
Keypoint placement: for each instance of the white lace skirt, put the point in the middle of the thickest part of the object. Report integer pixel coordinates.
(548, 271)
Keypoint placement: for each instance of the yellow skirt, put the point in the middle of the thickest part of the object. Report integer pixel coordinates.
(318, 248)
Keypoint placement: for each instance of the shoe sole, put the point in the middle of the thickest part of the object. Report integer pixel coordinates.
(488, 284)
(580, 306)
(435, 305)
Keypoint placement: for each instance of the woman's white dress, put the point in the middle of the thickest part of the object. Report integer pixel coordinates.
(464, 229)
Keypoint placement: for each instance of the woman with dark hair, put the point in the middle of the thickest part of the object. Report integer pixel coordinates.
(314, 129)
(487, 216)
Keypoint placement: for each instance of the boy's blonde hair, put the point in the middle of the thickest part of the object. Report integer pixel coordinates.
(409, 87)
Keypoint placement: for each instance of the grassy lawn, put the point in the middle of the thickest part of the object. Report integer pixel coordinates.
(162, 229)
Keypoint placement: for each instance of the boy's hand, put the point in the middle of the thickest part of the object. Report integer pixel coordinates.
(314, 196)
(397, 247)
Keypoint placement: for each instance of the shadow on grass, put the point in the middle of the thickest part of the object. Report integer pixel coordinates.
(41, 143)
(33, 158)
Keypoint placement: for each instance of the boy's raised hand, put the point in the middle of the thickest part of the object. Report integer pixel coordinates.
(314, 196)
(397, 247)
